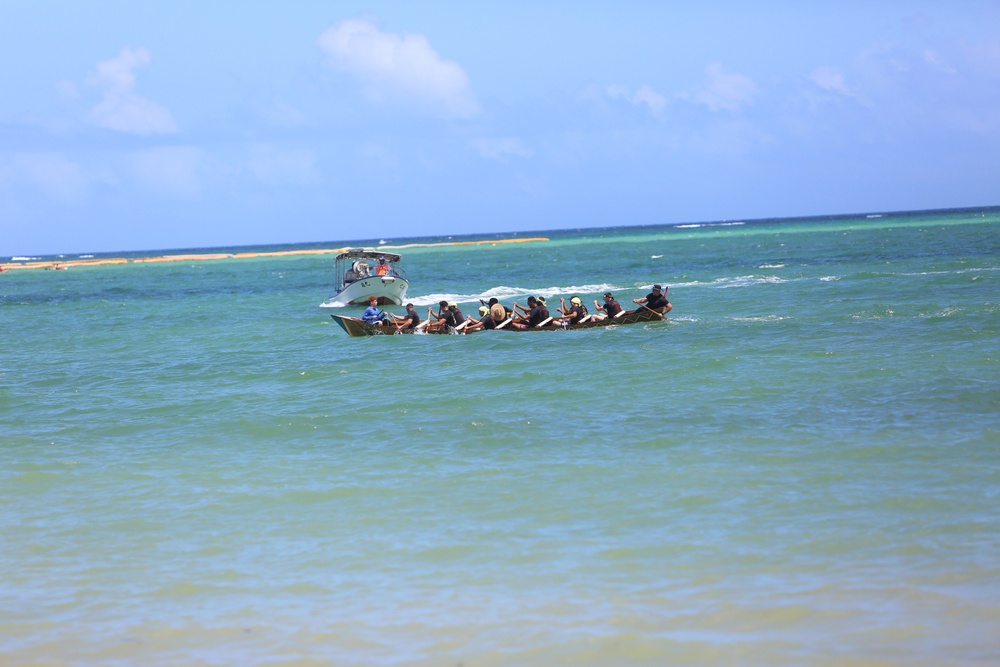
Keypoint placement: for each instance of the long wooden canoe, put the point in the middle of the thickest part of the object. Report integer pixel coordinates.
(355, 326)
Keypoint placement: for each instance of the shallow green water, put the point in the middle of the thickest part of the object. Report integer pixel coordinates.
(801, 467)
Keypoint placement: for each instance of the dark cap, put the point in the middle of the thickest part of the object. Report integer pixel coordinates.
(657, 287)
(609, 295)
(443, 304)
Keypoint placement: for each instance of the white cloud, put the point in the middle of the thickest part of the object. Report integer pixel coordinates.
(173, 170)
(121, 109)
(399, 68)
(831, 79)
(725, 91)
(501, 148)
(934, 59)
(643, 96)
(281, 113)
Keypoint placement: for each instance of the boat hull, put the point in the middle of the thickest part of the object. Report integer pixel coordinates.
(387, 289)
(357, 327)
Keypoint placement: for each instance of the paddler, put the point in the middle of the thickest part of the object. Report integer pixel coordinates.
(610, 308)
(445, 319)
(372, 314)
(656, 301)
(573, 313)
(408, 321)
(497, 310)
(459, 316)
(485, 321)
(536, 312)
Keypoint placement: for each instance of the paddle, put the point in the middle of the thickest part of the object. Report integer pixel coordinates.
(436, 316)
(504, 323)
(543, 323)
(652, 311)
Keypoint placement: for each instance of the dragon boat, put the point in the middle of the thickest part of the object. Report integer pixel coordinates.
(355, 326)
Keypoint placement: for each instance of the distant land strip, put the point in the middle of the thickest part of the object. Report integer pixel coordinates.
(65, 264)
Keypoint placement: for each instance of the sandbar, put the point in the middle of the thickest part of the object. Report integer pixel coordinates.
(65, 264)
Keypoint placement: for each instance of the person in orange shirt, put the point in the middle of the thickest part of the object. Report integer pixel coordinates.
(381, 268)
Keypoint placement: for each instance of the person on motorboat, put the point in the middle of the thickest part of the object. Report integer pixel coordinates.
(408, 321)
(573, 313)
(372, 314)
(381, 268)
(656, 301)
(611, 308)
(444, 319)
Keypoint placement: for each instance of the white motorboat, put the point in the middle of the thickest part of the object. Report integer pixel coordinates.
(366, 272)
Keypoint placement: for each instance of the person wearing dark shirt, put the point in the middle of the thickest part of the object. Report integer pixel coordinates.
(497, 310)
(573, 313)
(536, 312)
(443, 320)
(459, 317)
(518, 312)
(408, 321)
(485, 321)
(655, 301)
(611, 308)
(539, 313)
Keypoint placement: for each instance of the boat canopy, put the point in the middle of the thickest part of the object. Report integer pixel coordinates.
(367, 253)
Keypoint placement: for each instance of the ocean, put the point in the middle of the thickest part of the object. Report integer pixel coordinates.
(800, 467)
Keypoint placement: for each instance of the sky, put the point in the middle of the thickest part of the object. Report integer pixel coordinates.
(143, 125)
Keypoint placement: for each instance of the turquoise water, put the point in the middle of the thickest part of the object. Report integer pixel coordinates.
(801, 467)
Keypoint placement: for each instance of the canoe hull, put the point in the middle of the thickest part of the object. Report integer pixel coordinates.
(356, 327)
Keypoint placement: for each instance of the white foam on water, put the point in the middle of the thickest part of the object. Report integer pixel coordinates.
(504, 293)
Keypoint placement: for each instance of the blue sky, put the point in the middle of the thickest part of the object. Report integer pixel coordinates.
(156, 125)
